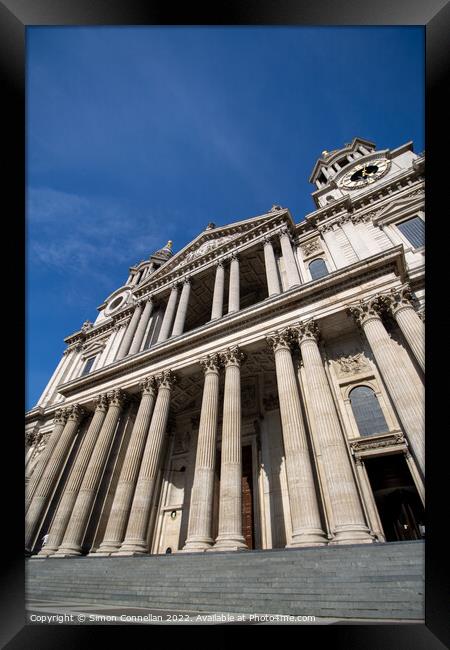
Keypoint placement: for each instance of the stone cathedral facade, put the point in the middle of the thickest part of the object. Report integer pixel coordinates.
(260, 388)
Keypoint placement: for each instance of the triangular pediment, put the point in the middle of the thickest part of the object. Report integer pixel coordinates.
(400, 203)
(211, 239)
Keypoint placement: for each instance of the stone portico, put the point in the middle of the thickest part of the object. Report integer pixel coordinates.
(236, 396)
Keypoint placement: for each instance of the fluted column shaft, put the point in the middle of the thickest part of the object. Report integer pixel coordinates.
(169, 315)
(135, 542)
(219, 285)
(52, 472)
(76, 528)
(350, 525)
(414, 332)
(410, 409)
(180, 318)
(412, 327)
(59, 423)
(273, 283)
(65, 507)
(230, 498)
(234, 296)
(305, 515)
(292, 273)
(129, 333)
(200, 514)
(120, 510)
(142, 326)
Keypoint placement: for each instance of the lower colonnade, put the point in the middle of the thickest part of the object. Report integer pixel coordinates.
(326, 498)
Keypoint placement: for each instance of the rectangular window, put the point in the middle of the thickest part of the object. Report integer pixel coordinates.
(88, 365)
(414, 231)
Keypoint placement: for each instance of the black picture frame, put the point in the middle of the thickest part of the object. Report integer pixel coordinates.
(15, 17)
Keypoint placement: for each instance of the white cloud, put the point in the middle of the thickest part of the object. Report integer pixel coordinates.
(84, 234)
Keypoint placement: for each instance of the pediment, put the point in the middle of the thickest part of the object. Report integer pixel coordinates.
(208, 241)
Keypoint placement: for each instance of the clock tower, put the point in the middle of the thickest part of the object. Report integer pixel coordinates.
(356, 168)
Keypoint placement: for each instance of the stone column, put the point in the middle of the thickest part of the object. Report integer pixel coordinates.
(59, 421)
(230, 500)
(130, 331)
(293, 276)
(115, 529)
(273, 283)
(347, 512)
(52, 470)
(219, 283)
(306, 524)
(399, 302)
(142, 326)
(200, 513)
(410, 409)
(233, 297)
(135, 542)
(169, 314)
(369, 499)
(180, 318)
(76, 528)
(65, 507)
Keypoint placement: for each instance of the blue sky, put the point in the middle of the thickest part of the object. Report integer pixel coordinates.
(138, 135)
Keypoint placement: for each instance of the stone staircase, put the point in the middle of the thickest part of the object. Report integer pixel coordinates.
(379, 581)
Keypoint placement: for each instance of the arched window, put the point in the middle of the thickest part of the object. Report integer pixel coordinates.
(318, 269)
(367, 411)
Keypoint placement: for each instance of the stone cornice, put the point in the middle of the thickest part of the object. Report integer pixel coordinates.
(368, 197)
(365, 207)
(308, 293)
(87, 337)
(36, 413)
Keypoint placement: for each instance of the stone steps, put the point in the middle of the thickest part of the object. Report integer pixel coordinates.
(365, 581)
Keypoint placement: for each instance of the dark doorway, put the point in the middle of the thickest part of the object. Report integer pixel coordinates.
(247, 497)
(399, 506)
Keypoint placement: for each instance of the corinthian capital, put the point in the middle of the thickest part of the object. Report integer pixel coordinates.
(148, 385)
(306, 331)
(101, 402)
(233, 356)
(60, 416)
(284, 232)
(280, 339)
(398, 299)
(167, 379)
(364, 311)
(75, 412)
(116, 397)
(211, 363)
(31, 438)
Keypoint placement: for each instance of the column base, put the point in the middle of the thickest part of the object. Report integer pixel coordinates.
(139, 548)
(232, 543)
(105, 550)
(128, 553)
(311, 538)
(352, 536)
(197, 545)
(47, 551)
(67, 551)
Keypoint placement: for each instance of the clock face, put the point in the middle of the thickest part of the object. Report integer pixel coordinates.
(365, 173)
